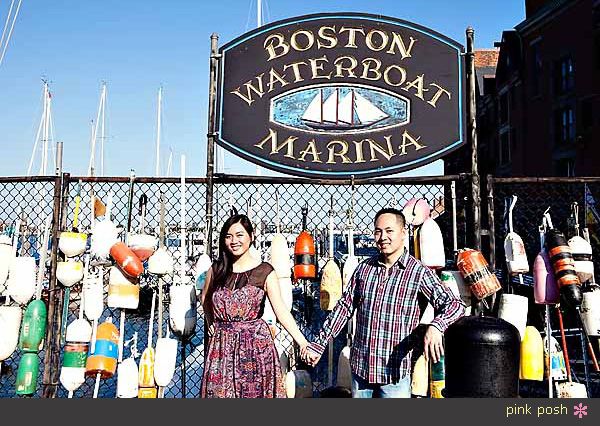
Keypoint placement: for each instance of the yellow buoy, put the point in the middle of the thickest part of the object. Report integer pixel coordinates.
(420, 378)
(532, 355)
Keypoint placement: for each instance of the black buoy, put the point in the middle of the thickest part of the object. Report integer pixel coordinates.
(482, 356)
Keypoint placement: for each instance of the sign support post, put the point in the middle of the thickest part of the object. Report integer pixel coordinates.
(210, 142)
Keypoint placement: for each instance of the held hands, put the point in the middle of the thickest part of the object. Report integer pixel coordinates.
(308, 356)
(433, 347)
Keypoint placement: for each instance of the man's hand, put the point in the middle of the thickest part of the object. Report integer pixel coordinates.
(433, 345)
(309, 357)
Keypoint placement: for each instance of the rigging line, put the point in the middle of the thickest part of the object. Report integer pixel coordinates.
(10, 32)
(12, 3)
(248, 16)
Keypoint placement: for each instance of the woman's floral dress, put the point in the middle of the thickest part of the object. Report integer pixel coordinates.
(242, 361)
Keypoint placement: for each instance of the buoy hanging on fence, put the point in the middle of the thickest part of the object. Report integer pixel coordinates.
(102, 362)
(563, 264)
(127, 261)
(105, 233)
(21, 282)
(69, 272)
(304, 252)
(182, 310)
(33, 328)
(590, 311)
(146, 371)
(164, 363)
(298, 384)
(6, 254)
(10, 321)
(161, 262)
(281, 262)
(27, 374)
(476, 273)
(556, 361)
(532, 355)
(75, 351)
(454, 281)
(514, 249)
(122, 291)
(72, 243)
(431, 245)
(128, 373)
(545, 289)
(513, 308)
(203, 264)
(416, 211)
(331, 276)
(93, 297)
(582, 250)
(420, 378)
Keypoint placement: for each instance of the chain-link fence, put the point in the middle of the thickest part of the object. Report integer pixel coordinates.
(256, 197)
(534, 197)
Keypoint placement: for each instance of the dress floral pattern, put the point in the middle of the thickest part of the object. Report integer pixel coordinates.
(242, 361)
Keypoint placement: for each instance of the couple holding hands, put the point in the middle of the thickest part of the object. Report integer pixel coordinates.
(242, 361)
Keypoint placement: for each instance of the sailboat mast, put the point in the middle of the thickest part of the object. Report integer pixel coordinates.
(46, 128)
(337, 105)
(158, 121)
(352, 107)
(102, 128)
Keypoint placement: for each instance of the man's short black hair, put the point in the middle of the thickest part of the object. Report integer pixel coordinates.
(389, 210)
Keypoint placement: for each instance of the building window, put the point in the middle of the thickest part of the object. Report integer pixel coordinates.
(504, 157)
(504, 108)
(565, 167)
(564, 76)
(536, 70)
(564, 125)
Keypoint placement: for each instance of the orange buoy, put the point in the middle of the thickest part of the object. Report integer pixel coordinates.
(476, 273)
(563, 264)
(126, 259)
(304, 253)
(103, 359)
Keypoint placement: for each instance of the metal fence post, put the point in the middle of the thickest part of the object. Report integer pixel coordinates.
(210, 151)
(491, 223)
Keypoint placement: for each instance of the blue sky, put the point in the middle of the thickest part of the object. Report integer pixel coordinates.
(136, 46)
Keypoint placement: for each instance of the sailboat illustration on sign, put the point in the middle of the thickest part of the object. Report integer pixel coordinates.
(347, 112)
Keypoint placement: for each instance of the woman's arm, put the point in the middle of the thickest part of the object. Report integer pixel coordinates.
(281, 311)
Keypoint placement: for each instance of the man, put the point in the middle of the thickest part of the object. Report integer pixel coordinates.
(384, 291)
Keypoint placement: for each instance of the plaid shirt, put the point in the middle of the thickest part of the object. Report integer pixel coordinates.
(387, 313)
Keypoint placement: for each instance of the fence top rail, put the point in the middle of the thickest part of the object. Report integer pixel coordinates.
(19, 179)
(554, 179)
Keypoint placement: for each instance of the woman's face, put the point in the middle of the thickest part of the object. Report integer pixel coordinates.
(237, 240)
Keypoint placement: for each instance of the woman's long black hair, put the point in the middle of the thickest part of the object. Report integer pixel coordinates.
(223, 267)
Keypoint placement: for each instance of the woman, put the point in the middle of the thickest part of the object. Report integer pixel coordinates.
(242, 361)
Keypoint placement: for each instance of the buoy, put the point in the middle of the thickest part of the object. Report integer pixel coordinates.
(105, 234)
(280, 258)
(33, 328)
(571, 390)
(431, 245)
(298, 384)
(513, 308)
(93, 298)
(142, 244)
(203, 264)
(146, 369)
(182, 310)
(438, 378)
(532, 355)
(102, 362)
(161, 262)
(122, 291)
(27, 374)
(420, 378)
(75, 351)
(127, 261)
(21, 282)
(331, 276)
(73, 243)
(304, 252)
(556, 362)
(6, 254)
(454, 281)
(514, 249)
(344, 372)
(590, 311)
(416, 211)
(69, 272)
(127, 371)
(545, 289)
(164, 363)
(582, 250)
(10, 321)
(476, 273)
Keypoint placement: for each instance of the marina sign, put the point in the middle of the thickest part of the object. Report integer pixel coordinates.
(335, 95)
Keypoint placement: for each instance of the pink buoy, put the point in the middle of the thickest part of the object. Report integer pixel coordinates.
(416, 211)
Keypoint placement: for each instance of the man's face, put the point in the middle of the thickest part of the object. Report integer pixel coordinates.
(389, 234)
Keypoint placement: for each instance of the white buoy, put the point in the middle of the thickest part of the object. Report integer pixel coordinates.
(69, 272)
(164, 362)
(6, 255)
(514, 249)
(105, 233)
(415, 211)
(431, 243)
(10, 323)
(203, 264)
(590, 312)
(513, 308)
(298, 384)
(182, 310)
(127, 372)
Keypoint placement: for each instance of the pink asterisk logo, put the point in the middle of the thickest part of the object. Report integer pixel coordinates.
(580, 410)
